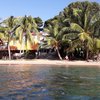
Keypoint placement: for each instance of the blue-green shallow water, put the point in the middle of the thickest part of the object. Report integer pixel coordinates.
(33, 82)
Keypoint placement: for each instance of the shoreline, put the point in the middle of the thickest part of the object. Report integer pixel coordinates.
(49, 62)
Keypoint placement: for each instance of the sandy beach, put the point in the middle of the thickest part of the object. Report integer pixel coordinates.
(49, 62)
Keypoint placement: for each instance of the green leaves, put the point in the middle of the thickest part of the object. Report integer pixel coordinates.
(77, 27)
(97, 43)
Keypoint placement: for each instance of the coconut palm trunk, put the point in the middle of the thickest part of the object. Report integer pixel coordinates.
(58, 53)
(87, 54)
(8, 46)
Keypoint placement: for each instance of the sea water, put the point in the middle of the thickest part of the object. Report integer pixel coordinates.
(49, 82)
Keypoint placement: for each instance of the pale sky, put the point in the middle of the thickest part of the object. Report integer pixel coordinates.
(44, 9)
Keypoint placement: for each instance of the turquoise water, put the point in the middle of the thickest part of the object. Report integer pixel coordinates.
(35, 82)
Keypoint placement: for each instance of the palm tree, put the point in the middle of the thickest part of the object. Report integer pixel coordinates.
(83, 18)
(56, 36)
(10, 27)
(24, 32)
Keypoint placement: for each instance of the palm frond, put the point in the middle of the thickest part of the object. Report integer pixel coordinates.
(77, 27)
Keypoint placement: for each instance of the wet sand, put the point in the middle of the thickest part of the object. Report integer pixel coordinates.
(49, 62)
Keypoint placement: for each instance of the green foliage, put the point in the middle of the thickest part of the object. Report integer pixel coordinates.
(27, 26)
(78, 23)
(38, 21)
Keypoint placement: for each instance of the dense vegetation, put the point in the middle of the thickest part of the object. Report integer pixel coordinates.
(74, 32)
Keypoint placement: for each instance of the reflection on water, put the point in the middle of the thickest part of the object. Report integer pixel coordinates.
(35, 82)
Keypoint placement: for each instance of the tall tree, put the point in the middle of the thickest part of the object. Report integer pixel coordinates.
(78, 23)
(56, 36)
(10, 27)
(24, 32)
(83, 18)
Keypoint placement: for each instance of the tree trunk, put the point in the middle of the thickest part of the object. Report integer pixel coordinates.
(87, 54)
(9, 52)
(8, 46)
(58, 53)
(87, 49)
